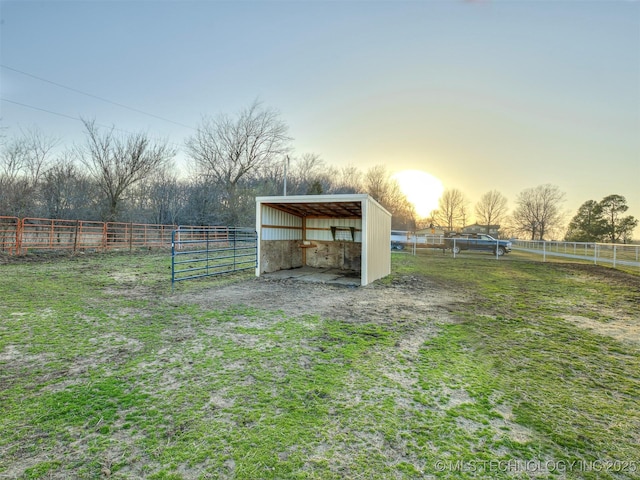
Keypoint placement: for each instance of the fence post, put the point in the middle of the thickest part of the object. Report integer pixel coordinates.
(234, 248)
(207, 248)
(614, 256)
(595, 253)
(173, 261)
(75, 237)
(51, 230)
(19, 235)
(130, 237)
(544, 251)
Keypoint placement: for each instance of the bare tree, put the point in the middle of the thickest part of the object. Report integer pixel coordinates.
(228, 150)
(491, 209)
(308, 175)
(379, 184)
(348, 180)
(38, 148)
(429, 222)
(271, 181)
(452, 209)
(66, 191)
(201, 203)
(538, 211)
(22, 162)
(118, 163)
(167, 199)
(159, 198)
(464, 213)
(12, 160)
(14, 188)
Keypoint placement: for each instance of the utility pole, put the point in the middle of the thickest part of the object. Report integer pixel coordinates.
(286, 166)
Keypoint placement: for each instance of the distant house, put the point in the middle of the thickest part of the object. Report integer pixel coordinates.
(436, 230)
(492, 230)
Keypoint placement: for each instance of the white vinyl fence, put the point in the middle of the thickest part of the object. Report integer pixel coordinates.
(612, 254)
(616, 255)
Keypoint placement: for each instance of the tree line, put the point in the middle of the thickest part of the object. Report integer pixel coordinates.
(231, 159)
(120, 176)
(538, 215)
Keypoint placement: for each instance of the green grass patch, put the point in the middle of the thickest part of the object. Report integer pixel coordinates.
(104, 372)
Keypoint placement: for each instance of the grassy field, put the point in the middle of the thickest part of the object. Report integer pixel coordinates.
(527, 370)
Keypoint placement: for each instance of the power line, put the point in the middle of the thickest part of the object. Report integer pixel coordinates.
(60, 114)
(64, 115)
(75, 90)
(38, 108)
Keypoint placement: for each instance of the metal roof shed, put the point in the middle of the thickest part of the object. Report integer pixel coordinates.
(347, 232)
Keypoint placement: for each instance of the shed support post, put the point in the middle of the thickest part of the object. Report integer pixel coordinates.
(304, 238)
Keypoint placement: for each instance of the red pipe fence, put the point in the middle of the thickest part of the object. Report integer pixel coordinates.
(19, 236)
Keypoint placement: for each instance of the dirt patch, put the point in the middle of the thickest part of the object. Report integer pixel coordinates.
(616, 320)
(603, 274)
(624, 330)
(402, 301)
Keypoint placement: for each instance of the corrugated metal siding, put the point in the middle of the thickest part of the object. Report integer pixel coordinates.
(373, 231)
(320, 228)
(377, 252)
(272, 218)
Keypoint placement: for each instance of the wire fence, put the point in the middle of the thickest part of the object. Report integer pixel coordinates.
(454, 243)
(616, 255)
(620, 256)
(20, 236)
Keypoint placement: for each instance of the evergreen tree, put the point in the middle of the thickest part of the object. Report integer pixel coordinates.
(587, 225)
(616, 227)
(602, 221)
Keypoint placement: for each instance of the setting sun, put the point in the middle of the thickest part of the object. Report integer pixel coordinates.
(421, 188)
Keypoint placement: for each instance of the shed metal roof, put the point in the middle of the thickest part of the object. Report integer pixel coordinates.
(319, 206)
(320, 210)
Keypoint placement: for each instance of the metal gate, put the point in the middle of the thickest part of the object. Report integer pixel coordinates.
(205, 251)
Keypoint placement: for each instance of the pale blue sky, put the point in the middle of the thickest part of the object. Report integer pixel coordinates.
(484, 95)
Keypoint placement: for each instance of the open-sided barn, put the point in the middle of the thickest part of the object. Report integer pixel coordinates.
(344, 232)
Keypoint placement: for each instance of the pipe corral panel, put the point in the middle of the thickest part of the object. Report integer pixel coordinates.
(349, 232)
